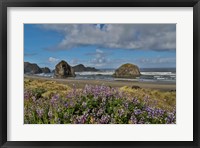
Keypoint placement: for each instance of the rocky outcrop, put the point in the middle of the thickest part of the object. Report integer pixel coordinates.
(45, 70)
(136, 87)
(63, 70)
(31, 68)
(127, 71)
(82, 68)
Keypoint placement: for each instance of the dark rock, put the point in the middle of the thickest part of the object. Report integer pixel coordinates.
(82, 68)
(173, 90)
(45, 70)
(135, 87)
(64, 70)
(127, 71)
(31, 68)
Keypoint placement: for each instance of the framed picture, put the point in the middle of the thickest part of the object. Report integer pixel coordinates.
(99, 73)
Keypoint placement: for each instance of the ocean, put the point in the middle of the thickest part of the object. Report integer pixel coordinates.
(147, 75)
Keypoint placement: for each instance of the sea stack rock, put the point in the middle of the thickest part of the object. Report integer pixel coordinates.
(127, 71)
(45, 70)
(63, 70)
(82, 68)
(31, 68)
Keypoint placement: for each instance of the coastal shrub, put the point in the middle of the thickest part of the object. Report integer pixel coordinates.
(92, 105)
(46, 88)
(155, 98)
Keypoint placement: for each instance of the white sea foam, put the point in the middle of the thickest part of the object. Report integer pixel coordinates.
(45, 74)
(125, 79)
(95, 73)
(158, 73)
(107, 75)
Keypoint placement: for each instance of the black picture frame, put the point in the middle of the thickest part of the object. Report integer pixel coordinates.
(4, 4)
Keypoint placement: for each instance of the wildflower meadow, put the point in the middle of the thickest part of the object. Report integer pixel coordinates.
(52, 103)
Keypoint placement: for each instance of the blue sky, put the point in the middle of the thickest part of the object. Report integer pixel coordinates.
(101, 45)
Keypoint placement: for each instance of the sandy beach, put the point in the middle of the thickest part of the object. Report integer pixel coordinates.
(81, 83)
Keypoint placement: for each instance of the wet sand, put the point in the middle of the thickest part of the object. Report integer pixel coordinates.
(164, 86)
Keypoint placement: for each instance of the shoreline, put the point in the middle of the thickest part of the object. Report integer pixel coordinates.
(163, 86)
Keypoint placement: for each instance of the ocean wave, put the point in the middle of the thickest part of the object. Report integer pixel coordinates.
(95, 73)
(125, 79)
(45, 74)
(107, 75)
(158, 73)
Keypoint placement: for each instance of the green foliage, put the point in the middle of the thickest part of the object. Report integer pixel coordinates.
(95, 105)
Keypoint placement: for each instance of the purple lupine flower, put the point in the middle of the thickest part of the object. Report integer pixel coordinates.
(40, 112)
(26, 95)
(174, 111)
(103, 95)
(133, 119)
(137, 111)
(104, 99)
(66, 105)
(81, 119)
(100, 112)
(84, 104)
(126, 105)
(155, 102)
(135, 101)
(146, 99)
(50, 114)
(71, 103)
(170, 118)
(121, 112)
(70, 95)
(141, 121)
(100, 91)
(150, 112)
(33, 98)
(74, 90)
(104, 119)
(74, 86)
(54, 98)
(159, 112)
(87, 89)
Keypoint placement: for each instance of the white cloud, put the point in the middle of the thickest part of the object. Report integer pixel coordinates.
(124, 36)
(157, 62)
(53, 60)
(74, 61)
(99, 58)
